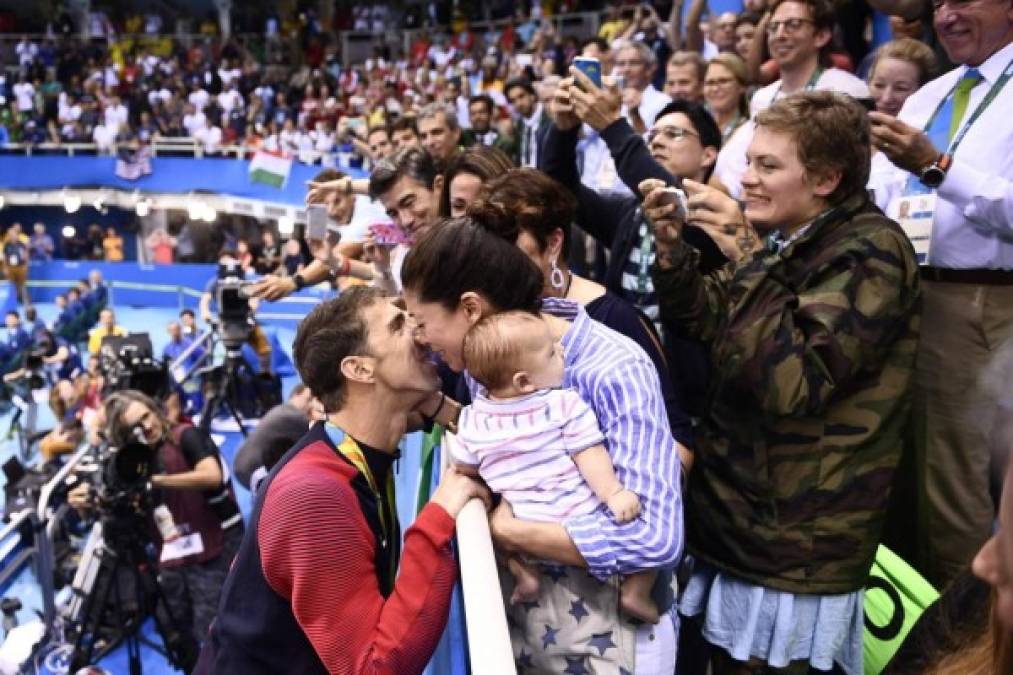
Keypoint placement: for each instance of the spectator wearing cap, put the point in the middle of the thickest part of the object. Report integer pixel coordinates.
(531, 124)
(799, 34)
(948, 152)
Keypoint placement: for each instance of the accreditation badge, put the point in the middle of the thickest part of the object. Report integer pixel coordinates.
(915, 213)
(182, 547)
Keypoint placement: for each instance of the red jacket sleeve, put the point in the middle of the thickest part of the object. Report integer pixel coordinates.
(318, 552)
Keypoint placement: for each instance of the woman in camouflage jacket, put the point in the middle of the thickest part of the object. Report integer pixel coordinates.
(813, 337)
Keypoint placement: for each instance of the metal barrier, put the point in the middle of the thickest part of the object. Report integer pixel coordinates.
(40, 550)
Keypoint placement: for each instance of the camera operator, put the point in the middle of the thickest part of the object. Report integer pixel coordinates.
(191, 482)
(228, 261)
(58, 359)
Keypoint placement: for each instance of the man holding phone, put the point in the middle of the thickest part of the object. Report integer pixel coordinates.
(682, 144)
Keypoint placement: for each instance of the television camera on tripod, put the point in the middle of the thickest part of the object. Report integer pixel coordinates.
(233, 386)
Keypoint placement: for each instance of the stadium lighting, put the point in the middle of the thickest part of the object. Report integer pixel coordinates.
(209, 215)
(143, 207)
(195, 210)
(71, 203)
(286, 226)
(3, 200)
(68, 231)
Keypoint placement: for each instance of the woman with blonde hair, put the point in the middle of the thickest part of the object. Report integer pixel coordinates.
(900, 68)
(724, 90)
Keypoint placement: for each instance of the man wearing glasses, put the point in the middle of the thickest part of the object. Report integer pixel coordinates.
(798, 36)
(950, 150)
(682, 144)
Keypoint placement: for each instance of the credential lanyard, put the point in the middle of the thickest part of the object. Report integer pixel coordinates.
(350, 450)
(987, 101)
(646, 244)
(809, 86)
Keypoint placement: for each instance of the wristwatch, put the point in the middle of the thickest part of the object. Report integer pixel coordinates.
(300, 283)
(934, 174)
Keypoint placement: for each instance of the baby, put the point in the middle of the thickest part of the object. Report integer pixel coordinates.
(537, 445)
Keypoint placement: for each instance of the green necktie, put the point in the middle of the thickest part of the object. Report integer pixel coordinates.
(961, 97)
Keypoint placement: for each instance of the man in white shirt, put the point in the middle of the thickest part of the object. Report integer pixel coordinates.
(199, 97)
(24, 94)
(105, 138)
(193, 119)
(116, 114)
(951, 148)
(798, 36)
(230, 99)
(210, 137)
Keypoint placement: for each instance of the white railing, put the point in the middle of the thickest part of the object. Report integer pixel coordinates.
(489, 649)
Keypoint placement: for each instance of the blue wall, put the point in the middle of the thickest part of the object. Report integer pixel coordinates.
(170, 175)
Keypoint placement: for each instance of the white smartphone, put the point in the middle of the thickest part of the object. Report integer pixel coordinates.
(316, 221)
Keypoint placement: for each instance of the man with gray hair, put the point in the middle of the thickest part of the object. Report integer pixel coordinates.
(439, 131)
(635, 64)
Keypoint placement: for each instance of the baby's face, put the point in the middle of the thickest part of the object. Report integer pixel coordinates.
(544, 360)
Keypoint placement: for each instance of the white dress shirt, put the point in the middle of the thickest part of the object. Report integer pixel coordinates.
(973, 227)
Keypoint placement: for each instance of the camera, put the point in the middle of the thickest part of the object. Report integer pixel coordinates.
(127, 362)
(234, 311)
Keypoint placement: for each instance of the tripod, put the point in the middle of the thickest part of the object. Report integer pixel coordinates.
(224, 388)
(116, 564)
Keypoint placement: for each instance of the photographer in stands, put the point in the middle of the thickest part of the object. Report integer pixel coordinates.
(191, 481)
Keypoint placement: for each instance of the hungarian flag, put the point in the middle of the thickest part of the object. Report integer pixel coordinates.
(270, 168)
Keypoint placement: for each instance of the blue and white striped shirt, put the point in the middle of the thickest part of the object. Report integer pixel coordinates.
(619, 381)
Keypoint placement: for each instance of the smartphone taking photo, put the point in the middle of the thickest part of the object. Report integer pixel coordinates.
(590, 67)
(316, 221)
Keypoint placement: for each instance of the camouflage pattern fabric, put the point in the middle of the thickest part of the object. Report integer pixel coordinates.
(813, 350)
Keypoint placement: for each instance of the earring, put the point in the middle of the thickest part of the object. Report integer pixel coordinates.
(556, 279)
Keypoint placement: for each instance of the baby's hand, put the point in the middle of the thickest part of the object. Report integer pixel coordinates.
(625, 506)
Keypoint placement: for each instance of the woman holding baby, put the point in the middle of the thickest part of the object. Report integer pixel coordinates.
(460, 274)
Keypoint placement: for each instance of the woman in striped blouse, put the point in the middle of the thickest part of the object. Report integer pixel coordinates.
(457, 274)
